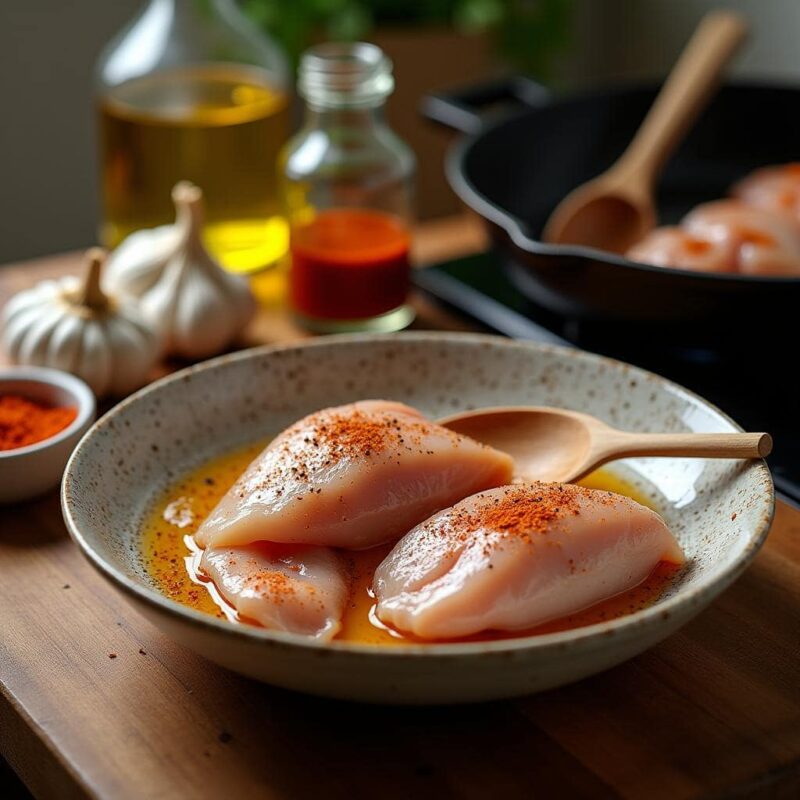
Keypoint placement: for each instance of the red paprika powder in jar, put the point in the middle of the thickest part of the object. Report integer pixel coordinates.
(348, 186)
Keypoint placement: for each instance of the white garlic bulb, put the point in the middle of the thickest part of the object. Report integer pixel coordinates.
(199, 307)
(73, 325)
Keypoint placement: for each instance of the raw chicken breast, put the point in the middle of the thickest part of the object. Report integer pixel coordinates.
(764, 243)
(671, 246)
(775, 189)
(516, 557)
(353, 476)
(295, 589)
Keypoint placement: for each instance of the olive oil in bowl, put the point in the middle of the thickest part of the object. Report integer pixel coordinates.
(220, 126)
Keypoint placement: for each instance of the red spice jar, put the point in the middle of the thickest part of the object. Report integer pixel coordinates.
(348, 183)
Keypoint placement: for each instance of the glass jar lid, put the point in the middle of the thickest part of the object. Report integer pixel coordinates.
(345, 75)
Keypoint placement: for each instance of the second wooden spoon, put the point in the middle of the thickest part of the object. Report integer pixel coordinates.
(553, 444)
(617, 209)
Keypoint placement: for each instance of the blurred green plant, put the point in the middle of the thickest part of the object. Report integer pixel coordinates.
(528, 33)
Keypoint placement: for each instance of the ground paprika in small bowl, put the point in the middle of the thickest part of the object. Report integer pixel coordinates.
(43, 415)
(24, 421)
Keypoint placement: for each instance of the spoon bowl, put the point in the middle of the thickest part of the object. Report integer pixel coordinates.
(595, 215)
(544, 445)
(554, 444)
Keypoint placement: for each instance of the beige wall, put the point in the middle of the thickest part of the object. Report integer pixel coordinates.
(641, 38)
(47, 48)
(47, 175)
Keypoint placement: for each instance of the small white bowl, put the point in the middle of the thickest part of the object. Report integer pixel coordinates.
(26, 472)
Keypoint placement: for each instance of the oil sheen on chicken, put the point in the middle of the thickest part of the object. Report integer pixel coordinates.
(353, 477)
(296, 589)
(518, 556)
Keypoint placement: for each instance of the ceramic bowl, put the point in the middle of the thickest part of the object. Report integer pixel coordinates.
(719, 510)
(26, 472)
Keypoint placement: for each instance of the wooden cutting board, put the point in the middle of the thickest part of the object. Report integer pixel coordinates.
(94, 701)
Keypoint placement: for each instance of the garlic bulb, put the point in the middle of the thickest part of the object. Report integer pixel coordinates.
(199, 307)
(73, 325)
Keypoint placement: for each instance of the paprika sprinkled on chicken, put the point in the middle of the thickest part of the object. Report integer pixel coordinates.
(296, 589)
(353, 477)
(516, 557)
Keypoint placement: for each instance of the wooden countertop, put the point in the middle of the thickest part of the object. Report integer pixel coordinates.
(714, 711)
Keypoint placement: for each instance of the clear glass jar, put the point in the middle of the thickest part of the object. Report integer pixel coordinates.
(348, 182)
(190, 90)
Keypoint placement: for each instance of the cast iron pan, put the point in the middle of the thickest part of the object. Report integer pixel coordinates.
(514, 168)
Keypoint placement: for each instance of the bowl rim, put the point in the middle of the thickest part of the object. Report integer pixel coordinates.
(47, 376)
(628, 624)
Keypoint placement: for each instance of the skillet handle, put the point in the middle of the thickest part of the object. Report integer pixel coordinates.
(465, 110)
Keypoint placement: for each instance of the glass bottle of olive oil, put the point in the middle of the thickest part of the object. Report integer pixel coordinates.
(191, 91)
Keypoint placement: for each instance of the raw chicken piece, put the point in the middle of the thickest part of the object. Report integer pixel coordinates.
(671, 246)
(353, 476)
(764, 243)
(775, 189)
(516, 557)
(296, 589)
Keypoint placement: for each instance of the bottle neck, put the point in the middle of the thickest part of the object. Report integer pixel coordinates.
(352, 118)
(198, 10)
(195, 6)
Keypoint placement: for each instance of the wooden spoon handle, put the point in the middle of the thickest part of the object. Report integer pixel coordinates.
(701, 445)
(684, 94)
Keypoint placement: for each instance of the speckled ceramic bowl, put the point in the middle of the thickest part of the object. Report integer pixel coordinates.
(719, 510)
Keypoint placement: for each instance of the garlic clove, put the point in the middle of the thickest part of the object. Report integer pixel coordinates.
(137, 263)
(199, 320)
(201, 300)
(64, 345)
(95, 358)
(23, 310)
(35, 337)
(132, 357)
(197, 305)
(73, 325)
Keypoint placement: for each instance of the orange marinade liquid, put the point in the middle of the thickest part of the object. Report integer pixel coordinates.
(171, 557)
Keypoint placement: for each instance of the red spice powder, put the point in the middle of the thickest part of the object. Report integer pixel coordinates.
(522, 511)
(530, 511)
(526, 510)
(327, 437)
(24, 422)
(275, 583)
(356, 433)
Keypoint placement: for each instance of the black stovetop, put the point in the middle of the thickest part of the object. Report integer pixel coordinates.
(755, 388)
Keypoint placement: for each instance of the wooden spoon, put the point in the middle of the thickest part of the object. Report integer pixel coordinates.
(616, 209)
(553, 444)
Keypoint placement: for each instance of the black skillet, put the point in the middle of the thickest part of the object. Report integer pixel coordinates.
(513, 169)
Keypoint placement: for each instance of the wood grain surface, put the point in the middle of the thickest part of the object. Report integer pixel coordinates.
(94, 701)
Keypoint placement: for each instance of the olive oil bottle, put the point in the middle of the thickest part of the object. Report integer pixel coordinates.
(191, 91)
